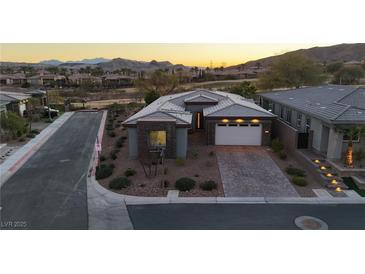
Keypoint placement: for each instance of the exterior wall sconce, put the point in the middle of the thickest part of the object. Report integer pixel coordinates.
(255, 121)
(338, 189)
(266, 131)
(225, 120)
(239, 120)
(323, 168)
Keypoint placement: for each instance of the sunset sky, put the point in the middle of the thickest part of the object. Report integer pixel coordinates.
(187, 54)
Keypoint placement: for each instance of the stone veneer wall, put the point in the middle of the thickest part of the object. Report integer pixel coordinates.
(143, 129)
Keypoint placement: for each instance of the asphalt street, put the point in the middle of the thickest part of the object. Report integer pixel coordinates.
(243, 216)
(49, 190)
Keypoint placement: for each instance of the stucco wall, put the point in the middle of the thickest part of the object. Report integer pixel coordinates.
(316, 126)
(286, 134)
(132, 143)
(181, 142)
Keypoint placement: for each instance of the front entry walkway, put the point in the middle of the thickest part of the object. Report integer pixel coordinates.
(250, 172)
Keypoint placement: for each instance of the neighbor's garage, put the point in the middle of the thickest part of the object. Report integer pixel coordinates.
(238, 134)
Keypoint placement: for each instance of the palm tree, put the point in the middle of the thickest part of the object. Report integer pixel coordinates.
(353, 133)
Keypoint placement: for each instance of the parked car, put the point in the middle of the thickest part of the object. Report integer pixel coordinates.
(54, 112)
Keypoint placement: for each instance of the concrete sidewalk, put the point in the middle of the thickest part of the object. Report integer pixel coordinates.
(15, 161)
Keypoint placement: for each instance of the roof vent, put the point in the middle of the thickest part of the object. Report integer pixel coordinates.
(323, 107)
(291, 98)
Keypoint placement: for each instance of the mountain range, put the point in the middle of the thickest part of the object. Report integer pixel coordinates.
(328, 54)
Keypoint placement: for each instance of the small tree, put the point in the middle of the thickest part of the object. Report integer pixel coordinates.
(245, 89)
(151, 96)
(349, 75)
(160, 82)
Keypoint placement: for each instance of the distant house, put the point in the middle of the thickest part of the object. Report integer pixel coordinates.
(311, 117)
(223, 118)
(13, 79)
(115, 80)
(81, 79)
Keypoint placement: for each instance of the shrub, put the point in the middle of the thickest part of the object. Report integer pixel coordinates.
(295, 171)
(195, 154)
(130, 172)
(211, 153)
(299, 181)
(119, 143)
(185, 184)
(30, 135)
(102, 158)
(111, 134)
(180, 161)
(119, 183)
(208, 185)
(276, 145)
(35, 131)
(282, 155)
(103, 171)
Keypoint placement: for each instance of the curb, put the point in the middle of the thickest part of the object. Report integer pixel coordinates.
(19, 158)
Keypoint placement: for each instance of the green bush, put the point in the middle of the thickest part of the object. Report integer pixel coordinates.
(119, 183)
(180, 161)
(103, 171)
(12, 123)
(282, 155)
(276, 145)
(35, 131)
(295, 171)
(111, 134)
(130, 172)
(299, 181)
(208, 185)
(185, 184)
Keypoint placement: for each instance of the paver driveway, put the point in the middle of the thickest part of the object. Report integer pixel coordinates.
(250, 172)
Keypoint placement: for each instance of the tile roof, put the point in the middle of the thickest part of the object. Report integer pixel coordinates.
(332, 103)
(174, 106)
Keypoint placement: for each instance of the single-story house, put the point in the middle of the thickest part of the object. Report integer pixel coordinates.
(224, 118)
(314, 117)
(14, 101)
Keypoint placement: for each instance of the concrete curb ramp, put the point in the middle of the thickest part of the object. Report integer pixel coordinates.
(15, 161)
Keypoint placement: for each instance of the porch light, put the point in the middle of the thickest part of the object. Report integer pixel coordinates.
(225, 120)
(323, 168)
(255, 121)
(239, 120)
(266, 131)
(317, 161)
(334, 182)
(338, 189)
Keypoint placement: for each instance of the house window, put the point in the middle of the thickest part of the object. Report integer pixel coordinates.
(281, 112)
(157, 138)
(355, 137)
(288, 115)
(299, 119)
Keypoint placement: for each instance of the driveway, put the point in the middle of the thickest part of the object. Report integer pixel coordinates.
(49, 190)
(250, 172)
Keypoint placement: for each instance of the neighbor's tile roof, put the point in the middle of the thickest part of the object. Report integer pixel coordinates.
(332, 103)
(174, 106)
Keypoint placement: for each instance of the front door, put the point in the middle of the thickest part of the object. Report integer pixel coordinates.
(199, 120)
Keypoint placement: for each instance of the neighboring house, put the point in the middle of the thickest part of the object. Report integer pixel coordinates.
(14, 79)
(14, 101)
(84, 79)
(115, 80)
(312, 117)
(224, 118)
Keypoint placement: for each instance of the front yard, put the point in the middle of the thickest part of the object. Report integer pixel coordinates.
(200, 165)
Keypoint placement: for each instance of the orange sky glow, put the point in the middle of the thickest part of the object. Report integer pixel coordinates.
(187, 54)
